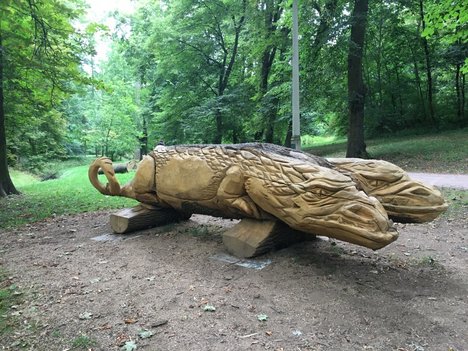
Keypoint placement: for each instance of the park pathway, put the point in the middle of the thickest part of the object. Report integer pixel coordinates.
(458, 181)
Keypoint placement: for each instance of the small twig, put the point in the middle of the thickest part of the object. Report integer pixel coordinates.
(247, 336)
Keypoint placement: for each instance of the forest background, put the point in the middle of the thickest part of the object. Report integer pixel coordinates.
(213, 71)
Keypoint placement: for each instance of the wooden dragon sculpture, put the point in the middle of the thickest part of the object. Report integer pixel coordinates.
(346, 199)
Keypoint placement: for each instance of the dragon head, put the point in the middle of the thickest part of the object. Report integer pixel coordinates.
(404, 199)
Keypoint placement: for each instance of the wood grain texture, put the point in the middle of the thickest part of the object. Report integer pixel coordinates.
(142, 217)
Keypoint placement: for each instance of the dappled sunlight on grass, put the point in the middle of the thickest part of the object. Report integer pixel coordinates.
(318, 140)
(22, 178)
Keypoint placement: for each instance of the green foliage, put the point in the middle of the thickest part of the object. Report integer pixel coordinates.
(448, 18)
(41, 57)
(181, 51)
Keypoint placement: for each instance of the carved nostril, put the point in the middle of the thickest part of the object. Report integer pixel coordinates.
(361, 211)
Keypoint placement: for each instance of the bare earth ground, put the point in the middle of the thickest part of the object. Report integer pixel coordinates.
(318, 295)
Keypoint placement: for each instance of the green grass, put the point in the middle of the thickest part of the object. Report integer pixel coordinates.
(71, 193)
(83, 342)
(458, 203)
(8, 298)
(320, 140)
(22, 178)
(440, 153)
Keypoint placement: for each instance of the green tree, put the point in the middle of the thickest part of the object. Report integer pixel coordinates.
(112, 111)
(39, 57)
(447, 21)
(178, 55)
(196, 45)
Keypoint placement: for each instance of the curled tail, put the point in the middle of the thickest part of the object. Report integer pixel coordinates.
(112, 187)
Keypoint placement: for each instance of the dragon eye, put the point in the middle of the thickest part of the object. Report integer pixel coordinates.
(376, 183)
(321, 193)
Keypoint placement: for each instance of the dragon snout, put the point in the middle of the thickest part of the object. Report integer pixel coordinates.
(414, 202)
(366, 224)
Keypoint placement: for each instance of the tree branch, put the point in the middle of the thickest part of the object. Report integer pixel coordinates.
(208, 58)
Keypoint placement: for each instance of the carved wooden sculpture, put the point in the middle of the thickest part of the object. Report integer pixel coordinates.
(259, 181)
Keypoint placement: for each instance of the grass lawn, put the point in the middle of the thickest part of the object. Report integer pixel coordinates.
(445, 152)
(71, 193)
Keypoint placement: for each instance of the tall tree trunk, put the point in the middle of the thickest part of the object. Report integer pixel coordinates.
(356, 89)
(430, 89)
(272, 14)
(269, 116)
(144, 140)
(218, 138)
(400, 99)
(288, 139)
(225, 71)
(235, 136)
(379, 65)
(6, 185)
(458, 92)
(417, 78)
(463, 96)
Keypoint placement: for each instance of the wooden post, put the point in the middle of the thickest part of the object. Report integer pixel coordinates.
(253, 237)
(143, 217)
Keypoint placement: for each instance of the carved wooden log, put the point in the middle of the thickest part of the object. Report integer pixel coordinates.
(143, 217)
(255, 181)
(252, 238)
(118, 168)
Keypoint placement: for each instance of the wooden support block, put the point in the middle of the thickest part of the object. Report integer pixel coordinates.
(253, 237)
(143, 217)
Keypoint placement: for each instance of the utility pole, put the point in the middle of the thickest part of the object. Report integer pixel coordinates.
(296, 123)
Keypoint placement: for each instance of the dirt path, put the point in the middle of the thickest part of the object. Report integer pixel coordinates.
(457, 181)
(80, 293)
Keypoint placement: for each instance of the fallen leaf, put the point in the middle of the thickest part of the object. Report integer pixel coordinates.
(104, 327)
(144, 334)
(262, 317)
(130, 321)
(129, 346)
(159, 323)
(121, 339)
(209, 308)
(85, 315)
